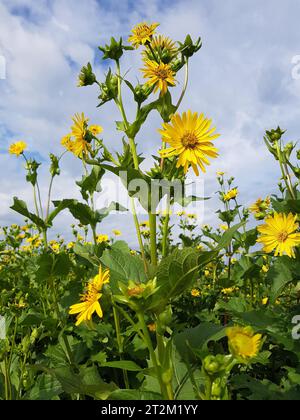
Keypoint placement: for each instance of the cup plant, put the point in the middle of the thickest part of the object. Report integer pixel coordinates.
(203, 316)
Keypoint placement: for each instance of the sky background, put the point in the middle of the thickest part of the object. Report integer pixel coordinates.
(242, 78)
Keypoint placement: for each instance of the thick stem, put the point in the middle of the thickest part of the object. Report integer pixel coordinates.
(139, 235)
(153, 250)
(49, 197)
(186, 80)
(120, 344)
(165, 232)
(284, 175)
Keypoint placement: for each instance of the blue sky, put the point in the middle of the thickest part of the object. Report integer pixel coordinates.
(242, 79)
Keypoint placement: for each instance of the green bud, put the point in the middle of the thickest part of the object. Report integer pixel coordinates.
(211, 365)
(54, 168)
(141, 93)
(288, 148)
(109, 89)
(298, 154)
(86, 76)
(297, 172)
(188, 48)
(274, 135)
(114, 51)
(260, 216)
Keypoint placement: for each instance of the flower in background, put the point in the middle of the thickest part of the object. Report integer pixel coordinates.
(223, 227)
(17, 148)
(195, 292)
(260, 205)
(219, 173)
(102, 238)
(77, 142)
(116, 232)
(90, 299)
(160, 75)
(230, 195)
(161, 48)
(279, 233)
(142, 33)
(190, 137)
(243, 343)
(95, 129)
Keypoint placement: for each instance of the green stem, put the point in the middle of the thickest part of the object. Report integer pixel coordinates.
(120, 344)
(40, 200)
(49, 197)
(139, 235)
(148, 342)
(35, 202)
(153, 250)
(165, 233)
(94, 234)
(284, 175)
(186, 80)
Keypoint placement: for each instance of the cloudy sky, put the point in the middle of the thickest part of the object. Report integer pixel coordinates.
(242, 78)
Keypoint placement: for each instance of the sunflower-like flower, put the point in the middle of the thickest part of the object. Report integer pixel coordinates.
(90, 299)
(17, 148)
(160, 75)
(279, 233)
(190, 137)
(260, 205)
(231, 194)
(102, 238)
(161, 48)
(78, 141)
(243, 343)
(142, 33)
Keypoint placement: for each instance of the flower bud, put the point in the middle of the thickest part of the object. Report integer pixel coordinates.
(86, 76)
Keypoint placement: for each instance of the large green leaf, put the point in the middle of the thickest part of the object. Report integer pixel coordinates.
(21, 207)
(123, 266)
(134, 394)
(91, 183)
(177, 272)
(279, 276)
(46, 387)
(197, 339)
(123, 364)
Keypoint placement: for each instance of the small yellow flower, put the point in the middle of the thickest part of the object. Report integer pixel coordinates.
(219, 173)
(260, 205)
(17, 148)
(191, 216)
(231, 195)
(223, 227)
(116, 232)
(80, 238)
(25, 228)
(200, 247)
(264, 300)
(95, 129)
(142, 33)
(228, 290)
(279, 233)
(265, 268)
(152, 327)
(55, 247)
(90, 299)
(206, 273)
(102, 238)
(243, 343)
(180, 213)
(75, 142)
(160, 75)
(195, 292)
(70, 245)
(21, 236)
(190, 137)
(145, 224)
(133, 252)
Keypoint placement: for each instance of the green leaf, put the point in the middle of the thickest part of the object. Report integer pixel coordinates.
(21, 207)
(197, 338)
(279, 276)
(91, 183)
(123, 364)
(177, 272)
(123, 266)
(228, 236)
(46, 387)
(134, 394)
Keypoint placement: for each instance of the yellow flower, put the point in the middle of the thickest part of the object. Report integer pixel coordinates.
(75, 142)
(70, 245)
(152, 327)
(55, 247)
(133, 252)
(265, 268)
(90, 299)
(116, 232)
(195, 292)
(260, 205)
(219, 173)
(144, 224)
(191, 216)
(160, 75)
(243, 344)
(279, 234)
(231, 194)
(180, 213)
(142, 33)
(21, 236)
(102, 238)
(161, 47)
(200, 247)
(264, 300)
(223, 227)
(190, 137)
(24, 228)
(228, 290)
(17, 148)
(95, 129)
(80, 238)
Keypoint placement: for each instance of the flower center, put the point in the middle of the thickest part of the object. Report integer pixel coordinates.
(162, 73)
(189, 140)
(282, 236)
